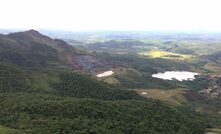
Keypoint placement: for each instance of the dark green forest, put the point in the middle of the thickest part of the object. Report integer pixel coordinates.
(42, 93)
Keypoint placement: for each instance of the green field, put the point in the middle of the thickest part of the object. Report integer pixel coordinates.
(166, 55)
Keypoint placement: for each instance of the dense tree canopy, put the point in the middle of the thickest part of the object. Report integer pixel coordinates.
(39, 113)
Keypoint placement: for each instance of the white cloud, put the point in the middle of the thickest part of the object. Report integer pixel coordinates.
(111, 14)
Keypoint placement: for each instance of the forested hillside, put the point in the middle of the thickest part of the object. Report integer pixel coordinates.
(39, 113)
(41, 92)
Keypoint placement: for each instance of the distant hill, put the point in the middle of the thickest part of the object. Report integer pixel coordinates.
(32, 50)
(28, 62)
(215, 57)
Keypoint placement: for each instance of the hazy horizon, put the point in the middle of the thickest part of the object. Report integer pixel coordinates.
(114, 15)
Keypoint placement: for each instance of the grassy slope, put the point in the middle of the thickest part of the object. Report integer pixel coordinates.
(76, 85)
(214, 130)
(173, 97)
(6, 130)
(63, 83)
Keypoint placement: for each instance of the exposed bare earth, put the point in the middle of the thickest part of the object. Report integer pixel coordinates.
(88, 63)
(106, 73)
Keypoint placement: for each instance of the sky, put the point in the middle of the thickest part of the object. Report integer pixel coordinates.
(83, 15)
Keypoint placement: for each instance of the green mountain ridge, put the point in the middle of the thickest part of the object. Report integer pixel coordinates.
(41, 92)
